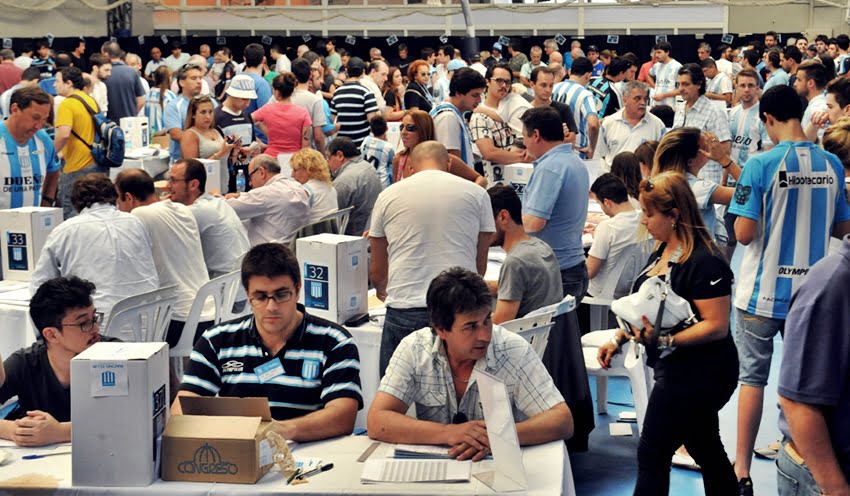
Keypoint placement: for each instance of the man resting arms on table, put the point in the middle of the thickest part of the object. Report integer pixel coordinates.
(429, 365)
(40, 376)
(307, 367)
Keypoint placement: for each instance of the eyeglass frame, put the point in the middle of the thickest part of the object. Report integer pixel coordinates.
(265, 297)
(407, 127)
(97, 319)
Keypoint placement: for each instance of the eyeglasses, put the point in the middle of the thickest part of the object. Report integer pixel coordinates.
(172, 180)
(500, 81)
(253, 171)
(88, 325)
(262, 299)
(410, 128)
(459, 418)
(423, 74)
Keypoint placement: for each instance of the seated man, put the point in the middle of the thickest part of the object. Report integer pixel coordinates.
(223, 237)
(40, 376)
(275, 208)
(356, 183)
(103, 245)
(432, 368)
(530, 276)
(310, 366)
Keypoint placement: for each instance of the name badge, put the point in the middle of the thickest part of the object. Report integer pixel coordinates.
(269, 370)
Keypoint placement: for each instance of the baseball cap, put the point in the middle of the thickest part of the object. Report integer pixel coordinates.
(475, 57)
(498, 46)
(592, 48)
(455, 64)
(813, 47)
(242, 86)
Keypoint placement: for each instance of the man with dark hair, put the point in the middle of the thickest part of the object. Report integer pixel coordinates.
(276, 206)
(120, 262)
(465, 90)
(333, 59)
(842, 41)
(773, 63)
(530, 276)
(492, 124)
(770, 39)
(177, 59)
(630, 126)
(403, 60)
(154, 63)
(718, 85)
(608, 100)
(724, 61)
(378, 151)
(124, 87)
(572, 92)
(30, 78)
(542, 84)
(837, 103)
(43, 61)
(281, 61)
(821, 43)
(10, 74)
(190, 82)
(664, 75)
(304, 97)
(254, 55)
(789, 201)
(431, 368)
(518, 59)
(223, 237)
(175, 244)
(77, 55)
(74, 134)
(40, 376)
(101, 70)
(28, 166)
(356, 183)
(354, 104)
(374, 80)
(812, 78)
(790, 59)
(750, 59)
(307, 367)
(226, 74)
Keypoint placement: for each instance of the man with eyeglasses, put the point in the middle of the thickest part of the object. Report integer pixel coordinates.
(432, 368)
(307, 367)
(40, 375)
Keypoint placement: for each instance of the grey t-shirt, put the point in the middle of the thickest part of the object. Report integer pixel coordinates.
(357, 185)
(532, 275)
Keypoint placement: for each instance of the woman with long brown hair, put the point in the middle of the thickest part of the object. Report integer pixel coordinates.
(696, 366)
(203, 139)
(393, 90)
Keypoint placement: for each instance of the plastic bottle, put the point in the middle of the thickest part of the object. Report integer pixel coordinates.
(240, 181)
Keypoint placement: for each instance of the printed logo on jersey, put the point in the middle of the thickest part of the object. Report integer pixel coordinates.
(742, 194)
(232, 367)
(793, 180)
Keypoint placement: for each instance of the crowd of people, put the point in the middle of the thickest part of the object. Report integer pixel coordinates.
(745, 145)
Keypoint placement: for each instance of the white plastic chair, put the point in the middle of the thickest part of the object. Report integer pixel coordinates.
(534, 329)
(568, 304)
(619, 283)
(624, 364)
(225, 291)
(142, 317)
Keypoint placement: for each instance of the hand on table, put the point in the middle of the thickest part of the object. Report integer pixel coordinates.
(38, 428)
(468, 440)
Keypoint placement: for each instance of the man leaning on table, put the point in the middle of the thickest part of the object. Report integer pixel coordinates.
(432, 368)
(40, 375)
(307, 367)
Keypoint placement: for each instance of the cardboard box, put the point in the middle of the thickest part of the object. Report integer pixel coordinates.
(517, 177)
(119, 406)
(136, 132)
(335, 273)
(218, 440)
(217, 175)
(24, 232)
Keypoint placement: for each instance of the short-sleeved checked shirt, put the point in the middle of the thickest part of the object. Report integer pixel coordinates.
(706, 116)
(481, 126)
(320, 364)
(419, 373)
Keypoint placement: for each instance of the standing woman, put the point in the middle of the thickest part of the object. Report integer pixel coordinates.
(310, 168)
(696, 369)
(393, 90)
(204, 140)
(157, 98)
(288, 126)
(417, 96)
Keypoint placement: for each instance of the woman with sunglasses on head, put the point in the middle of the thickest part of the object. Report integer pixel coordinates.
(418, 127)
(696, 367)
(203, 139)
(417, 96)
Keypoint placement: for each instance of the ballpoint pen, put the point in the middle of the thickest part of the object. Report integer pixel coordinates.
(37, 456)
(317, 470)
(293, 476)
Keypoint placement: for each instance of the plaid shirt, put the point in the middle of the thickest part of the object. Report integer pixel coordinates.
(481, 126)
(419, 373)
(706, 116)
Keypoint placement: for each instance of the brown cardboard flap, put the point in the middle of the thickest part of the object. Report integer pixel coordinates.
(226, 406)
(218, 427)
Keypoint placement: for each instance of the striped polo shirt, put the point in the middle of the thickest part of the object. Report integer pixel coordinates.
(23, 167)
(320, 364)
(351, 104)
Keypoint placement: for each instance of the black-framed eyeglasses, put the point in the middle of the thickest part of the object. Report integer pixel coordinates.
(262, 299)
(500, 81)
(459, 418)
(87, 325)
(172, 180)
(253, 171)
(410, 128)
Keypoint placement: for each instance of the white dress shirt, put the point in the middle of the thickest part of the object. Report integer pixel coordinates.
(323, 198)
(103, 245)
(223, 237)
(274, 211)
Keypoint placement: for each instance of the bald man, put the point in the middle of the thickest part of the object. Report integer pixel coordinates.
(430, 221)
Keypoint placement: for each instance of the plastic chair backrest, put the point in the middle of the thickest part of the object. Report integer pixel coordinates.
(534, 329)
(567, 305)
(623, 274)
(143, 317)
(342, 216)
(224, 291)
(327, 224)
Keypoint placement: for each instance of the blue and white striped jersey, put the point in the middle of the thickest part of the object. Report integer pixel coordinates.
(581, 102)
(156, 112)
(666, 79)
(796, 194)
(380, 154)
(23, 167)
(749, 136)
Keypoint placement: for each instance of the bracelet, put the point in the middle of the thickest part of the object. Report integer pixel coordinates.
(729, 163)
(615, 342)
(48, 199)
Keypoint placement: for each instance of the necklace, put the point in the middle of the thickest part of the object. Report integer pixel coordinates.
(459, 379)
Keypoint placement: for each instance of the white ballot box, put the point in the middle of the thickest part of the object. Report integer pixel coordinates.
(517, 177)
(217, 175)
(335, 272)
(119, 407)
(24, 232)
(136, 132)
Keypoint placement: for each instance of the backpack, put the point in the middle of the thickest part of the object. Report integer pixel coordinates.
(108, 146)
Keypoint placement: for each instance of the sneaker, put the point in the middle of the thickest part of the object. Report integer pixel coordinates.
(745, 487)
(771, 452)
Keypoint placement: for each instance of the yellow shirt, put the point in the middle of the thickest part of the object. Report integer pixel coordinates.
(72, 113)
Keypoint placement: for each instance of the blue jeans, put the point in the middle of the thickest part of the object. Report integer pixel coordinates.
(398, 324)
(574, 280)
(754, 338)
(793, 478)
(66, 181)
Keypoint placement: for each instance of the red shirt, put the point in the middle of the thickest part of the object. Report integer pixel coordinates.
(644, 71)
(10, 75)
(285, 124)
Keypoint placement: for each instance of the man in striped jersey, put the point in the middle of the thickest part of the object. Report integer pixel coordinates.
(307, 367)
(582, 103)
(665, 75)
(28, 166)
(353, 104)
(788, 202)
(718, 86)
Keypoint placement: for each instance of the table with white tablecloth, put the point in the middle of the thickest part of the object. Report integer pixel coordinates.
(547, 468)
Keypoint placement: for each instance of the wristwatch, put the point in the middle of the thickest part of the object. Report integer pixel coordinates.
(665, 342)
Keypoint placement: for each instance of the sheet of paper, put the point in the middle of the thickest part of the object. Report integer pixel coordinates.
(628, 417)
(420, 451)
(375, 471)
(618, 429)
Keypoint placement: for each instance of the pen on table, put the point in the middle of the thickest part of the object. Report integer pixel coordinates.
(294, 475)
(317, 470)
(36, 457)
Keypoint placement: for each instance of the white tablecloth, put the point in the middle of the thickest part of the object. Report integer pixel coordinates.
(547, 468)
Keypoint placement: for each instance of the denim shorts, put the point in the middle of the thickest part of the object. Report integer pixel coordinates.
(754, 338)
(794, 478)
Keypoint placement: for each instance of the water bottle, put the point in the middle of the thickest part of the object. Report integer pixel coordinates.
(240, 181)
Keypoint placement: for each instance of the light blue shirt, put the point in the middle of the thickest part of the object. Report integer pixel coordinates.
(778, 77)
(557, 192)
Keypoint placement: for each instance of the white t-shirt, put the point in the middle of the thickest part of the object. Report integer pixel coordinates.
(323, 198)
(611, 237)
(373, 87)
(431, 221)
(177, 253)
(454, 135)
(283, 64)
(98, 92)
(511, 109)
(223, 237)
(725, 67)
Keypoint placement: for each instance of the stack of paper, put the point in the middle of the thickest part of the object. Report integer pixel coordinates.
(421, 451)
(376, 471)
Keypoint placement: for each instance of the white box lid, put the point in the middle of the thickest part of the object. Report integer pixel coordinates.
(120, 351)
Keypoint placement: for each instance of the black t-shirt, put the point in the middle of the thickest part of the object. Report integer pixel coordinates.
(30, 377)
(566, 115)
(79, 62)
(414, 96)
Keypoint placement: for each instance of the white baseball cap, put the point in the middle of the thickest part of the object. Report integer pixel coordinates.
(242, 86)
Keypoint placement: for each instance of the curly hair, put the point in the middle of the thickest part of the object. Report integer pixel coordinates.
(313, 162)
(92, 188)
